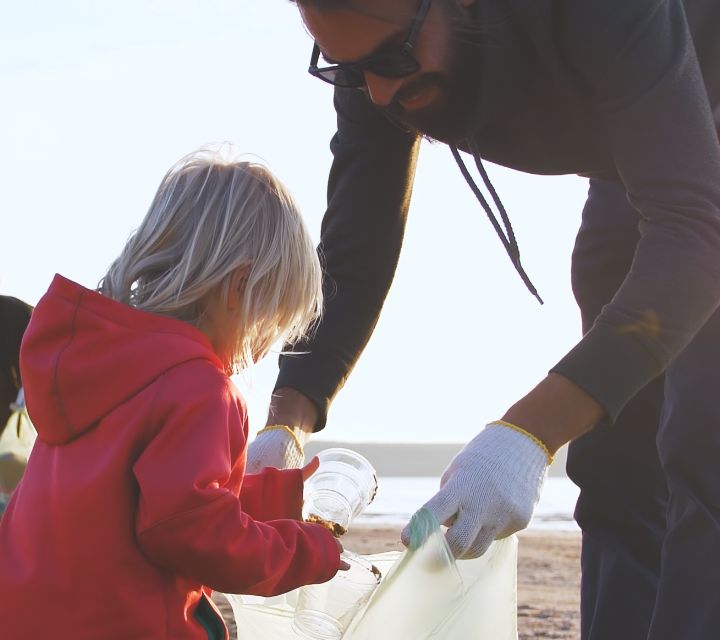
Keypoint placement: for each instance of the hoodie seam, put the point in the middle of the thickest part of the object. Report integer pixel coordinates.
(181, 330)
(156, 426)
(154, 422)
(160, 380)
(56, 374)
(226, 493)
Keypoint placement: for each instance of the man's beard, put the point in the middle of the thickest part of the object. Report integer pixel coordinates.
(450, 117)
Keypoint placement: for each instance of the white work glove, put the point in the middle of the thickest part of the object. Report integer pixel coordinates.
(490, 488)
(275, 446)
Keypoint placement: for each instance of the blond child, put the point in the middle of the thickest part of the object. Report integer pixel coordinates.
(135, 504)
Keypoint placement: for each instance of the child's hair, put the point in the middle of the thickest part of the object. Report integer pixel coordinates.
(211, 216)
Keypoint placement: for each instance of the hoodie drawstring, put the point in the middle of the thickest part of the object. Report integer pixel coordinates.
(508, 241)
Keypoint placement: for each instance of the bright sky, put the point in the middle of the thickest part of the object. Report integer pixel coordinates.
(101, 98)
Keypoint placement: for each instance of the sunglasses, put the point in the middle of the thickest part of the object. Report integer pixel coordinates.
(395, 62)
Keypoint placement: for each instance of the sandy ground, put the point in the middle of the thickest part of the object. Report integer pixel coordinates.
(548, 578)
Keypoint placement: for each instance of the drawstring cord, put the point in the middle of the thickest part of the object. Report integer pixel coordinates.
(508, 241)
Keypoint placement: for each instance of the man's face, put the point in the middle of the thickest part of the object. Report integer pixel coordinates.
(440, 97)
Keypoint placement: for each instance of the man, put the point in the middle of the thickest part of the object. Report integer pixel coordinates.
(627, 94)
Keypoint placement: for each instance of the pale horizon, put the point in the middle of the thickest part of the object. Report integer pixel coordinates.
(410, 459)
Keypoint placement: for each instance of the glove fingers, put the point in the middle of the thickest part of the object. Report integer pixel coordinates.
(463, 532)
(253, 464)
(442, 505)
(481, 544)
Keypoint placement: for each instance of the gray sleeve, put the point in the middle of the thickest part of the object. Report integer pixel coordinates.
(639, 61)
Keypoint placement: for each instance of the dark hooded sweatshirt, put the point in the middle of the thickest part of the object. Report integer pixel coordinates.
(625, 90)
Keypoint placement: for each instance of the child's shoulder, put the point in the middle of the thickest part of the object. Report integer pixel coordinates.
(197, 378)
(198, 386)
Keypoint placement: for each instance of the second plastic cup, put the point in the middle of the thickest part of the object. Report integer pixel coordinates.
(324, 611)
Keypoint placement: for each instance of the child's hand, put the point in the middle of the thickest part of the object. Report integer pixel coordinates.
(310, 468)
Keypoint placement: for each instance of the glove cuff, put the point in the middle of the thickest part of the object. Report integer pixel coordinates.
(282, 437)
(527, 434)
(510, 448)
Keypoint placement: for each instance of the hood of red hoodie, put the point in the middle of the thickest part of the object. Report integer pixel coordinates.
(84, 354)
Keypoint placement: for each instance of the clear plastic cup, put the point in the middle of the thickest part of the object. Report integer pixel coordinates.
(344, 484)
(324, 611)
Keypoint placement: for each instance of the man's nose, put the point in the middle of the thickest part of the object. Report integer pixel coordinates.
(382, 90)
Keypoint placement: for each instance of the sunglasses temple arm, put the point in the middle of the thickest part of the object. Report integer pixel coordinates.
(417, 24)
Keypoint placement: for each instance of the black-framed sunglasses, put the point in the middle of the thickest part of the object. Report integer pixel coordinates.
(389, 63)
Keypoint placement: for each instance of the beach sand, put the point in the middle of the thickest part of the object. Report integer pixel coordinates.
(548, 577)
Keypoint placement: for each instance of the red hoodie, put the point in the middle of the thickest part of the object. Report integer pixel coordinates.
(134, 504)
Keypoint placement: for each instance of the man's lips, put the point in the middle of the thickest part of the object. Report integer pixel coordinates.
(413, 98)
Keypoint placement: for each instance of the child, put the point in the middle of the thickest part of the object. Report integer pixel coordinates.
(134, 505)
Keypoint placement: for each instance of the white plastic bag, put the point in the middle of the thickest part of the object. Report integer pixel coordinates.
(419, 592)
(425, 594)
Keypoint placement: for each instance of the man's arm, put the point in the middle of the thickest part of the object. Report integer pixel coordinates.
(369, 191)
(368, 198)
(658, 123)
(639, 62)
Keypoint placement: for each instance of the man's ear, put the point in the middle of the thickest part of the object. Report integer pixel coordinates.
(236, 286)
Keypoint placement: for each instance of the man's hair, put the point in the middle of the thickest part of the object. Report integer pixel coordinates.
(210, 217)
(324, 5)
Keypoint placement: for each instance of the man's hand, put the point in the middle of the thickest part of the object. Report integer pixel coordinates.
(291, 419)
(275, 446)
(490, 489)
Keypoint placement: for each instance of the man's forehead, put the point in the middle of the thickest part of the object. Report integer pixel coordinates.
(350, 30)
(391, 11)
